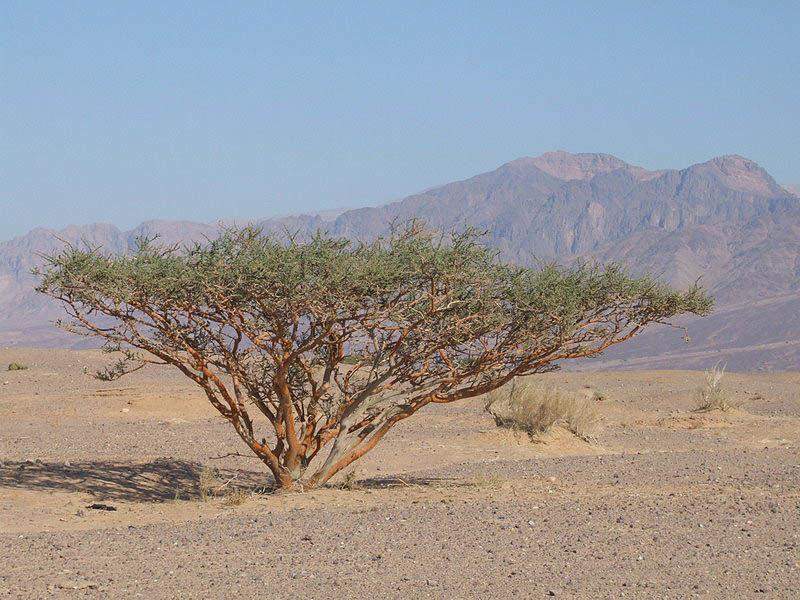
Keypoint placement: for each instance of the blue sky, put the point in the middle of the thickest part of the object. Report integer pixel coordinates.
(121, 112)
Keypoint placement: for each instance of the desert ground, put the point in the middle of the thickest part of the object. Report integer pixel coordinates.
(664, 503)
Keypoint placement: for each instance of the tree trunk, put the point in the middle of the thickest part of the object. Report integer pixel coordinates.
(284, 482)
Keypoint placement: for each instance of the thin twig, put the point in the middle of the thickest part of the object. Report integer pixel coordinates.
(233, 454)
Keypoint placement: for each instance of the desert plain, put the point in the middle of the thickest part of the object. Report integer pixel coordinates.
(133, 489)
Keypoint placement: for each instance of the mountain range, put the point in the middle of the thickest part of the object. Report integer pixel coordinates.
(725, 222)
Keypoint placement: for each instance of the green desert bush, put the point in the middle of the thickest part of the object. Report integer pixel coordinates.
(15, 366)
(324, 344)
(713, 395)
(525, 406)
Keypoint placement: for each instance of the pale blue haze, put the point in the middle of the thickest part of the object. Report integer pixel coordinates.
(125, 111)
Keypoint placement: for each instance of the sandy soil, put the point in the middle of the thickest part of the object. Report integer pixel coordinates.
(667, 503)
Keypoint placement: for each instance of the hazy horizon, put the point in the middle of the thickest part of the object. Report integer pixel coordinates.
(128, 112)
(325, 212)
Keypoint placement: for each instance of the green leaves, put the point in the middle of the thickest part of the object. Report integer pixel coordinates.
(414, 275)
(329, 338)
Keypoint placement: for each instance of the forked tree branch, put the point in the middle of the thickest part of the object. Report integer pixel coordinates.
(333, 342)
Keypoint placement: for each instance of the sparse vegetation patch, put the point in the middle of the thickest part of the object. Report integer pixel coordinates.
(713, 395)
(15, 366)
(523, 405)
(208, 483)
(236, 497)
(350, 481)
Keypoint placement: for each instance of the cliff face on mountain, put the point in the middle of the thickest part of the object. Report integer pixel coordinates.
(726, 222)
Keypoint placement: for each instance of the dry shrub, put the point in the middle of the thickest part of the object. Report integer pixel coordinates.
(236, 497)
(350, 481)
(15, 366)
(595, 395)
(713, 395)
(207, 483)
(522, 405)
(209, 486)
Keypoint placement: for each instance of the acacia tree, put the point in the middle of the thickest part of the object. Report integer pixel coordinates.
(320, 347)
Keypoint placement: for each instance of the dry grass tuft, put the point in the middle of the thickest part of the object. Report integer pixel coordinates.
(350, 481)
(210, 486)
(207, 483)
(536, 410)
(713, 395)
(492, 482)
(594, 394)
(236, 497)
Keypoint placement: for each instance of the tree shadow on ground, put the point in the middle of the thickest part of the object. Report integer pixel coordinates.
(168, 479)
(155, 481)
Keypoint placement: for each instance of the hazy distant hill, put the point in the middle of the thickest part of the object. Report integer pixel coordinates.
(725, 220)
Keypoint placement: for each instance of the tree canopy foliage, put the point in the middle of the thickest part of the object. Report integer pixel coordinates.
(315, 349)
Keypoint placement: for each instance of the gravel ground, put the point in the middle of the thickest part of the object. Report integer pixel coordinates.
(666, 504)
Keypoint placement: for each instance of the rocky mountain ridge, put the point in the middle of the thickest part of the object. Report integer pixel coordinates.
(725, 221)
